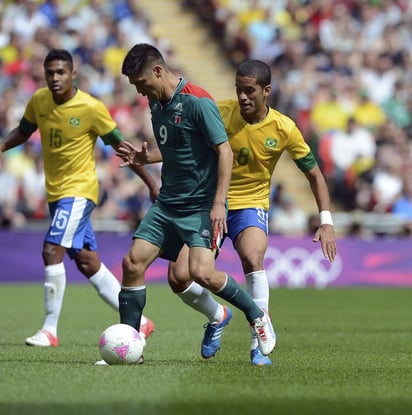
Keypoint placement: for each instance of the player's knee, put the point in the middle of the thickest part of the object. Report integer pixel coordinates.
(52, 254)
(88, 269)
(178, 277)
(87, 262)
(133, 271)
(203, 276)
(252, 260)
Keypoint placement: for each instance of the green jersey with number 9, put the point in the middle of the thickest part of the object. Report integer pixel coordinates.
(186, 128)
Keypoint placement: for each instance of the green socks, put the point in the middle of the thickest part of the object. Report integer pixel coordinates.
(234, 294)
(131, 304)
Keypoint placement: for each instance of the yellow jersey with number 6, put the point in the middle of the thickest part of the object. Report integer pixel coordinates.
(257, 149)
(68, 135)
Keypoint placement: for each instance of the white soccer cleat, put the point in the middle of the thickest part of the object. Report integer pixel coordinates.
(140, 361)
(265, 333)
(43, 338)
(101, 363)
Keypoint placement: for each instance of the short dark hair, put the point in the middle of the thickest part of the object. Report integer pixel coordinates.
(257, 69)
(140, 57)
(59, 55)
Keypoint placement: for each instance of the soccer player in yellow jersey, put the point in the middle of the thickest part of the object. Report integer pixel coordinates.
(258, 135)
(70, 121)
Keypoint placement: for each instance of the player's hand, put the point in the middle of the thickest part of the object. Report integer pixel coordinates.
(218, 221)
(326, 235)
(154, 193)
(131, 155)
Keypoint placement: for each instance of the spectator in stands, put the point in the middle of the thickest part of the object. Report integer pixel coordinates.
(368, 113)
(34, 202)
(23, 18)
(327, 113)
(396, 108)
(9, 198)
(352, 152)
(289, 219)
(380, 78)
(387, 179)
(402, 206)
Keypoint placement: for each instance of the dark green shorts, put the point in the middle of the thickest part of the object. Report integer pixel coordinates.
(170, 230)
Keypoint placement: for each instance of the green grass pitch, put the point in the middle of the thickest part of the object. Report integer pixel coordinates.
(340, 351)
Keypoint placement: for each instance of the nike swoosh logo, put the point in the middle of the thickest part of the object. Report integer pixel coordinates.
(55, 233)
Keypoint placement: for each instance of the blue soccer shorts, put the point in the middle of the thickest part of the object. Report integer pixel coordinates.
(71, 226)
(240, 219)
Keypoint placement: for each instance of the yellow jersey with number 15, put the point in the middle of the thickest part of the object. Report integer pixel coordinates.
(256, 150)
(68, 135)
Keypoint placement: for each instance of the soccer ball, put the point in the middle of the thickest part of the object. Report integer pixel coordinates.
(121, 344)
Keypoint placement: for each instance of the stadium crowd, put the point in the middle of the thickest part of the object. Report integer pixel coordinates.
(342, 69)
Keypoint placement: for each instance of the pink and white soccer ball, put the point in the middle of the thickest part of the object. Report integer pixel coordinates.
(121, 344)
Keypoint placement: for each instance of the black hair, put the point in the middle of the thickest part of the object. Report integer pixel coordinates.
(257, 69)
(59, 55)
(140, 57)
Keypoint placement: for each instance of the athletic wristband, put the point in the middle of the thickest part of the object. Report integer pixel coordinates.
(325, 217)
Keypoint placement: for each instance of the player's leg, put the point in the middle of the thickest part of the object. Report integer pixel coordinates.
(102, 280)
(108, 287)
(200, 299)
(146, 247)
(55, 274)
(191, 293)
(201, 267)
(100, 277)
(132, 295)
(54, 288)
(248, 230)
(251, 245)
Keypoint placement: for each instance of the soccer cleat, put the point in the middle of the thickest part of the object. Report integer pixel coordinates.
(265, 334)
(140, 361)
(257, 358)
(147, 327)
(43, 338)
(213, 334)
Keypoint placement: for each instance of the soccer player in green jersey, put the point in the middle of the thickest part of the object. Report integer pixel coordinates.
(191, 206)
(70, 121)
(258, 135)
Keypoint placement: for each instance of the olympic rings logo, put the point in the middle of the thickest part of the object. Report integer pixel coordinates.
(296, 267)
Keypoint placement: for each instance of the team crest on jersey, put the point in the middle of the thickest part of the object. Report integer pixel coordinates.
(271, 142)
(74, 121)
(177, 119)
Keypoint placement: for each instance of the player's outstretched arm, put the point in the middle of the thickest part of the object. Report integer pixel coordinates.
(13, 139)
(326, 233)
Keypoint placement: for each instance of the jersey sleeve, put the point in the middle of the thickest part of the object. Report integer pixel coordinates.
(299, 150)
(103, 122)
(27, 127)
(113, 138)
(28, 123)
(207, 116)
